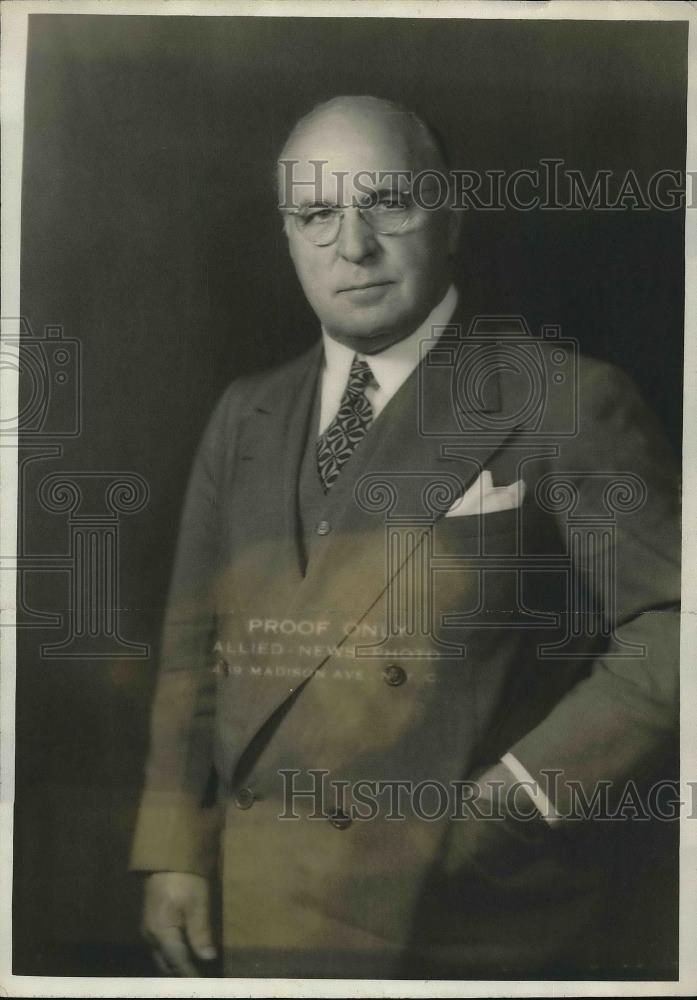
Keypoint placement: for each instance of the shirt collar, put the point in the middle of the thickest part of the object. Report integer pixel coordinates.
(393, 366)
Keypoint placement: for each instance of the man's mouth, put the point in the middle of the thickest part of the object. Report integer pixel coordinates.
(364, 286)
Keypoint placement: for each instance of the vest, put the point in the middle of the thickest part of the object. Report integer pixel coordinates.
(314, 505)
(313, 502)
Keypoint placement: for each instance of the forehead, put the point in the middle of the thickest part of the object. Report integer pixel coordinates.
(353, 138)
(347, 142)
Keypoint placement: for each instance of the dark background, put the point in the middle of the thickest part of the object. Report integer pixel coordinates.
(150, 234)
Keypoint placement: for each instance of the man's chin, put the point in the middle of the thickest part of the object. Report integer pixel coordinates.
(365, 324)
(370, 340)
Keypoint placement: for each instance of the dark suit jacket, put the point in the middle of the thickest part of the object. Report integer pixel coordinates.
(561, 646)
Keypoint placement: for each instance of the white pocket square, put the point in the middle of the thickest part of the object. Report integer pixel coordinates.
(484, 498)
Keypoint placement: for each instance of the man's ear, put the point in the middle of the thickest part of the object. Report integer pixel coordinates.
(285, 224)
(454, 229)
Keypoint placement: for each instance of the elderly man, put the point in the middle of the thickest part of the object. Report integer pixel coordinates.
(423, 553)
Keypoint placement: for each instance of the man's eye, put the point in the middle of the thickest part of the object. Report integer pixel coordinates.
(316, 215)
(392, 203)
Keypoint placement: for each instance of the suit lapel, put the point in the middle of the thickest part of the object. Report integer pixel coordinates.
(263, 501)
(293, 430)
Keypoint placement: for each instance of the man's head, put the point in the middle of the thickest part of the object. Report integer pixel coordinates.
(370, 288)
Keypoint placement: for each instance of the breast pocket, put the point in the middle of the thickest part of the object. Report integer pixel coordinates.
(475, 563)
(478, 534)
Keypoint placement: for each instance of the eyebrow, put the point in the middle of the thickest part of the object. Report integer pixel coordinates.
(383, 189)
(390, 189)
(317, 204)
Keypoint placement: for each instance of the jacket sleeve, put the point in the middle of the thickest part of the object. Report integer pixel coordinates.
(175, 829)
(616, 725)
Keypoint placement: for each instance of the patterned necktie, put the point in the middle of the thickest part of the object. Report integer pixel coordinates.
(338, 442)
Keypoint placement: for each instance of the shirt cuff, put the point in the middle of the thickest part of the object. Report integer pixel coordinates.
(532, 788)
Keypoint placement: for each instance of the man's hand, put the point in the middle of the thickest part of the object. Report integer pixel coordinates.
(176, 921)
(503, 831)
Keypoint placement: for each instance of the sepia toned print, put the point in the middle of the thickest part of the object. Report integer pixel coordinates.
(348, 562)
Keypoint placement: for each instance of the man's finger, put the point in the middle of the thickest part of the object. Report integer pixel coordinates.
(161, 963)
(198, 931)
(176, 952)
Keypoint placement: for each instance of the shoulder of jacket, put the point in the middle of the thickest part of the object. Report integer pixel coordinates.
(241, 395)
(591, 394)
(595, 382)
(604, 386)
(597, 372)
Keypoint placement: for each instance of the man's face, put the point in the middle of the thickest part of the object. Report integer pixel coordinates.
(368, 289)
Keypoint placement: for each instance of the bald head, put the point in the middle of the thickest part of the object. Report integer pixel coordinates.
(362, 118)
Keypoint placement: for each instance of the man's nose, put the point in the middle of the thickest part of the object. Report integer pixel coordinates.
(356, 239)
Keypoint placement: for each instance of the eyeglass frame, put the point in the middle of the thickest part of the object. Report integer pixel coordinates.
(338, 213)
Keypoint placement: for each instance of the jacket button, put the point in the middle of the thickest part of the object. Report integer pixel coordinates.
(323, 528)
(244, 798)
(340, 820)
(221, 667)
(394, 675)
